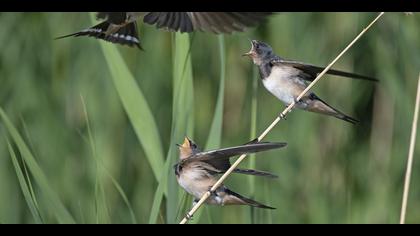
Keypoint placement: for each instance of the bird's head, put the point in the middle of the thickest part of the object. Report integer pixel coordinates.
(259, 52)
(187, 148)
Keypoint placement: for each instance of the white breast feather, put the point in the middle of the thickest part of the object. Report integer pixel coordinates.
(192, 181)
(280, 84)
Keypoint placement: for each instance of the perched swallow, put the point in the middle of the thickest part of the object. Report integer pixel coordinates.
(196, 171)
(120, 27)
(287, 79)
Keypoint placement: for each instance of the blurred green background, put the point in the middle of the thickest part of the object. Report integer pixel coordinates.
(331, 171)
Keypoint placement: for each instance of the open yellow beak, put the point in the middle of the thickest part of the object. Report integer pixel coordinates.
(186, 142)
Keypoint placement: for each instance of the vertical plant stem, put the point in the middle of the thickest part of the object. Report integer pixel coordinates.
(252, 134)
(215, 133)
(410, 156)
(182, 113)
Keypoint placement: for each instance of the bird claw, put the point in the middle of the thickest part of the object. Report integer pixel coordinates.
(282, 116)
(212, 193)
(188, 216)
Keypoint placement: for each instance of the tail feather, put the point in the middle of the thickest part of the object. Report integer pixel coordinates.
(323, 107)
(247, 201)
(97, 31)
(347, 118)
(255, 172)
(126, 35)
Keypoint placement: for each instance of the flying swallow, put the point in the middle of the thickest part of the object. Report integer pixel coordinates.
(120, 27)
(287, 79)
(196, 171)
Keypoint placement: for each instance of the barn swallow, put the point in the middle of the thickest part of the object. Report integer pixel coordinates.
(120, 27)
(196, 171)
(287, 79)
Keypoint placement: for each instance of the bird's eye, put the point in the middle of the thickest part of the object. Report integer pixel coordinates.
(257, 46)
(178, 168)
(194, 146)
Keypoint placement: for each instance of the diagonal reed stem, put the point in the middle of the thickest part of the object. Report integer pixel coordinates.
(410, 156)
(274, 123)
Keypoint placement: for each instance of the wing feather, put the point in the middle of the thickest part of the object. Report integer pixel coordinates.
(312, 71)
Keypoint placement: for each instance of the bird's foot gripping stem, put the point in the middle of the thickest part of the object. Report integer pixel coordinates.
(297, 101)
(188, 216)
(212, 193)
(282, 116)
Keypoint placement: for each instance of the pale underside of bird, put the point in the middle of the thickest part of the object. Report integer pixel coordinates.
(197, 171)
(121, 28)
(287, 79)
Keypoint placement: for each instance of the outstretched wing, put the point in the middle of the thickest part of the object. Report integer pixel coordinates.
(226, 153)
(311, 71)
(216, 22)
(116, 18)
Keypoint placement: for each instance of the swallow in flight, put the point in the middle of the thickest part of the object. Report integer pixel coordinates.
(121, 28)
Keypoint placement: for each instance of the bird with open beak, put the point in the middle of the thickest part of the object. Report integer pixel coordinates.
(287, 79)
(197, 170)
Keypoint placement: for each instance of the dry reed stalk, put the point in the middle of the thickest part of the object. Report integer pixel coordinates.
(410, 156)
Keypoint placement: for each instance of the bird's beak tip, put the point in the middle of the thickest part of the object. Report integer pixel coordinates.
(186, 142)
(251, 52)
(248, 54)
